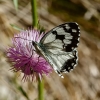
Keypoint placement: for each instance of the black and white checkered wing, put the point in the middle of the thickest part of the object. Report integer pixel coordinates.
(60, 45)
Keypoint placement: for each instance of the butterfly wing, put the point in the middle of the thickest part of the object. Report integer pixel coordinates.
(60, 44)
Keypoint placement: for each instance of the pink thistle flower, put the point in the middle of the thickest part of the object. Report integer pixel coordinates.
(24, 58)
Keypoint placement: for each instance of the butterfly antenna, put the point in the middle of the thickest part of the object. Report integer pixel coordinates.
(29, 42)
(23, 38)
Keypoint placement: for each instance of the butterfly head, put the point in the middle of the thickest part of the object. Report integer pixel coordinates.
(34, 43)
(37, 47)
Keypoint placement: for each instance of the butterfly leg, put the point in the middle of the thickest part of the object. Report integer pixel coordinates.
(37, 62)
(31, 49)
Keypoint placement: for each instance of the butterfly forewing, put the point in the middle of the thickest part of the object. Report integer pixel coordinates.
(60, 44)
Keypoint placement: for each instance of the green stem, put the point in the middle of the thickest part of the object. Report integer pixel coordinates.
(40, 89)
(34, 13)
(35, 23)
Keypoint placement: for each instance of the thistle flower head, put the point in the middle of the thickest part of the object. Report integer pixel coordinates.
(23, 56)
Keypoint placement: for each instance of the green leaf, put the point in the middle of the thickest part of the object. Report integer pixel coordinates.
(15, 4)
(16, 27)
(23, 92)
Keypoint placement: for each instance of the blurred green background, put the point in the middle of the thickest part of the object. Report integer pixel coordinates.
(83, 83)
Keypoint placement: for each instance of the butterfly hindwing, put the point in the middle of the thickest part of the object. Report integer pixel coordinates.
(60, 44)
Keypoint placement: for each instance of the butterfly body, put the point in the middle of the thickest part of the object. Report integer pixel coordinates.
(59, 47)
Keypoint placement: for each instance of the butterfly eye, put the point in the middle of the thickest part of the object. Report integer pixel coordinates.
(33, 43)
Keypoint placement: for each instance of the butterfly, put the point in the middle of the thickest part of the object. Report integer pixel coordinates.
(59, 47)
